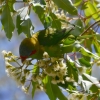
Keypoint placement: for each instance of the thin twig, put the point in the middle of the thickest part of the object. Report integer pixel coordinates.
(90, 27)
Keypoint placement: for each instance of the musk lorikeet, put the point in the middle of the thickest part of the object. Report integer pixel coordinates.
(35, 46)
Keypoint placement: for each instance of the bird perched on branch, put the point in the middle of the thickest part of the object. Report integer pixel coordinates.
(35, 46)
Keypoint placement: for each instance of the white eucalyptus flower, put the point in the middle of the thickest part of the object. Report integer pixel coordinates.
(68, 79)
(62, 64)
(56, 66)
(4, 53)
(54, 81)
(41, 63)
(10, 53)
(25, 89)
(45, 55)
(40, 87)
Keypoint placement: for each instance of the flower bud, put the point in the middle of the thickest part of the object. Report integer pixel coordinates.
(4, 53)
(45, 55)
(25, 89)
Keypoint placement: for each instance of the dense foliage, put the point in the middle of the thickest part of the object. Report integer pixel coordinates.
(71, 71)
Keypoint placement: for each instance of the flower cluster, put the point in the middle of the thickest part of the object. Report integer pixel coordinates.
(26, 74)
(54, 67)
(77, 96)
(18, 73)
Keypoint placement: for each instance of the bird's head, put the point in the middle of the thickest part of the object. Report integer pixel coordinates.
(28, 47)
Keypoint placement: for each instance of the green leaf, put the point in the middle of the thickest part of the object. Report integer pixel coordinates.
(18, 22)
(91, 11)
(86, 85)
(94, 88)
(58, 92)
(35, 69)
(55, 23)
(96, 46)
(70, 40)
(33, 88)
(7, 22)
(98, 36)
(26, 27)
(78, 28)
(67, 48)
(48, 22)
(72, 71)
(40, 12)
(66, 5)
(86, 36)
(77, 2)
(91, 79)
(49, 90)
(11, 5)
(87, 53)
(84, 62)
(42, 2)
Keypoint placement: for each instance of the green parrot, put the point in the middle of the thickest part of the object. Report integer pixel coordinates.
(35, 46)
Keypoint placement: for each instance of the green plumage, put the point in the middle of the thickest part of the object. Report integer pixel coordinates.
(47, 39)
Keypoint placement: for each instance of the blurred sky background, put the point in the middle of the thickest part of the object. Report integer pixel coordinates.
(9, 90)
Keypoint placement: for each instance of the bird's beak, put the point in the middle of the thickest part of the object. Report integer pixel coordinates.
(23, 58)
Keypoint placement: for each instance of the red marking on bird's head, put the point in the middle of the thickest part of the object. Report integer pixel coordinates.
(23, 58)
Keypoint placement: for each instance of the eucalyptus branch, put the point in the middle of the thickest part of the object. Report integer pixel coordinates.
(90, 27)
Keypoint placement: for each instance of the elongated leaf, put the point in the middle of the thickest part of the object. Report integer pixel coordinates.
(40, 12)
(86, 85)
(58, 92)
(55, 21)
(91, 79)
(48, 22)
(7, 22)
(49, 89)
(96, 46)
(26, 27)
(34, 72)
(33, 88)
(86, 36)
(70, 40)
(77, 2)
(11, 5)
(91, 11)
(66, 5)
(84, 62)
(78, 28)
(18, 26)
(72, 71)
(86, 52)
(67, 48)
(35, 69)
